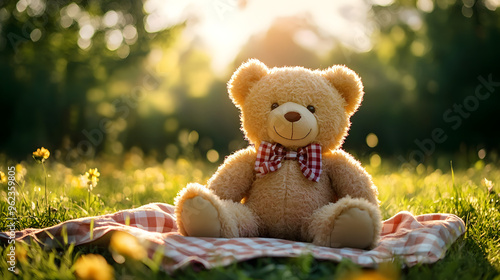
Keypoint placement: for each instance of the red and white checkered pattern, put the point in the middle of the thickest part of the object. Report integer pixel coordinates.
(412, 239)
(270, 156)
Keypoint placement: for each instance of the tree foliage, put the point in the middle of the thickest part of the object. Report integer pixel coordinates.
(58, 56)
(432, 80)
(89, 76)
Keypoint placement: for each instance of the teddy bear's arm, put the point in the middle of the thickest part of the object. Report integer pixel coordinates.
(348, 177)
(235, 176)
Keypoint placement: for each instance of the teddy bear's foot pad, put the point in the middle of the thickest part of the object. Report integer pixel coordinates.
(353, 228)
(200, 218)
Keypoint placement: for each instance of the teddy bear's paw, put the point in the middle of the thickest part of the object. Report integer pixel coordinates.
(200, 218)
(353, 228)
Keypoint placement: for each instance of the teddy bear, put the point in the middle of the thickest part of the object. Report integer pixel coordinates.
(293, 181)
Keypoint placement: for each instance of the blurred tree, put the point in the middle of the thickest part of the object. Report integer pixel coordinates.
(432, 79)
(107, 76)
(57, 56)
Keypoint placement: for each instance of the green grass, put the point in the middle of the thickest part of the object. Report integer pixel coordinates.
(135, 180)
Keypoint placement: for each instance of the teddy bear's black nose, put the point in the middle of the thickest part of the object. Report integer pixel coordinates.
(292, 116)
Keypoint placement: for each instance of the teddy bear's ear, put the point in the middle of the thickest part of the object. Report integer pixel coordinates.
(244, 78)
(349, 85)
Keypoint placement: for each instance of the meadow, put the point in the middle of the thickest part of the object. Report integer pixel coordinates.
(50, 192)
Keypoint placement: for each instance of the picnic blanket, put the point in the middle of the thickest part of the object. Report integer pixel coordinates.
(411, 239)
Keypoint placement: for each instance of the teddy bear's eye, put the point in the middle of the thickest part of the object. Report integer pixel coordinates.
(274, 106)
(311, 109)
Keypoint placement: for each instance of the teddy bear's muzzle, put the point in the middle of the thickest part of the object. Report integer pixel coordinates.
(292, 125)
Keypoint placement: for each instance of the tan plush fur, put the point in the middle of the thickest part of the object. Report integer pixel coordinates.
(341, 209)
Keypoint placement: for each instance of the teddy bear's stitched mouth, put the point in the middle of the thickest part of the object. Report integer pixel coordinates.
(292, 134)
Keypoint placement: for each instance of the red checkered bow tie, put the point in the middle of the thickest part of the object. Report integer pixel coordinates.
(269, 157)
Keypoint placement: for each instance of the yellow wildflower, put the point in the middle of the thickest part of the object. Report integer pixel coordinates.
(385, 271)
(370, 275)
(3, 178)
(92, 177)
(94, 172)
(41, 154)
(127, 245)
(93, 267)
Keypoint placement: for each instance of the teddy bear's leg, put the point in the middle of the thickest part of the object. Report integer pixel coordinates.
(201, 213)
(350, 222)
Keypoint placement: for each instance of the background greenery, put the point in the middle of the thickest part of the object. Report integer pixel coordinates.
(127, 86)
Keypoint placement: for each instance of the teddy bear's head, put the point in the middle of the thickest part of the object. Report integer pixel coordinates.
(295, 106)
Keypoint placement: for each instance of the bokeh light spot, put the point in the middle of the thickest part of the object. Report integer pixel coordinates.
(84, 44)
(172, 151)
(212, 155)
(413, 19)
(417, 48)
(114, 39)
(382, 2)
(193, 137)
(117, 147)
(425, 5)
(105, 109)
(409, 82)
(123, 51)
(183, 137)
(153, 23)
(87, 31)
(398, 34)
(36, 8)
(468, 3)
(467, 12)
(73, 10)
(21, 6)
(127, 191)
(492, 5)
(375, 160)
(66, 21)
(130, 34)
(385, 49)
(35, 35)
(95, 95)
(371, 140)
(110, 19)
(481, 153)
